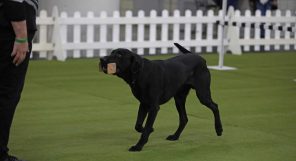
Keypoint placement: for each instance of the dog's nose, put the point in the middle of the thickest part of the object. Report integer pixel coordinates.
(103, 59)
(103, 64)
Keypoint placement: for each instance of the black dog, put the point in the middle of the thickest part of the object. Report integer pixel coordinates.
(155, 82)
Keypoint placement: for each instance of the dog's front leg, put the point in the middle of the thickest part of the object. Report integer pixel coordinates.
(142, 113)
(147, 130)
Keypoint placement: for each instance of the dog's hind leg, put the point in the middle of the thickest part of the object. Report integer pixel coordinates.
(180, 100)
(203, 92)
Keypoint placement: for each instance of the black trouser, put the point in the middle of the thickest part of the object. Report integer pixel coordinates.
(11, 85)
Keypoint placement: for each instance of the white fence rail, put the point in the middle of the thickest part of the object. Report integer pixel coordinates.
(62, 36)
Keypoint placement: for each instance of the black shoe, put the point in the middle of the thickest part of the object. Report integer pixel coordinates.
(12, 158)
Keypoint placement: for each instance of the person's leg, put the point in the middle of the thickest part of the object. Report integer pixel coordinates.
(233, 3)
(259, 5)
(11, 85)
(5, 107)
(261, 8)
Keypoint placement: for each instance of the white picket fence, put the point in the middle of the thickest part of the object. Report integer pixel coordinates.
(61, 36)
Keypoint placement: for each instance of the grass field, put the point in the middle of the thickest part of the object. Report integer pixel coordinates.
(71, 112)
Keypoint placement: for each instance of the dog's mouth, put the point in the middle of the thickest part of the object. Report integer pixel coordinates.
(102, 68)
(109, 68)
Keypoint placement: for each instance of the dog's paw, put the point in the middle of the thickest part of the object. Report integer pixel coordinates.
(172, 137)
(135, 148)
(139, 128)
(151, 130)
(219, 131)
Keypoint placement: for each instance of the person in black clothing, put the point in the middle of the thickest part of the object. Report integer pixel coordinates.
(233, 3)
(17, 29)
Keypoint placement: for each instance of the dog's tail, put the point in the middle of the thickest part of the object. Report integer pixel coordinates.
(182, 49)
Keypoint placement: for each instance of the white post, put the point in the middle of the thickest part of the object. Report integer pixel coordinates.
(198, 30)
(152, 32)
(220, 29)
(164, 31)
(277, 32)
(103, 33)
(59, 35)
(141, 32)
(176, 30)
(63, 33)
(187, 36)
(287, 34)
(295, 38)
(267, 31)
(116, 28)
(247, 30)
(43, 36)
(90, 35)
(233, 32)
(128, 28)
(209, 38)
(257, 30)
(222, 48)
(77, 36)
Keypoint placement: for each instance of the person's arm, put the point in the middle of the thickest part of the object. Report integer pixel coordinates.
(16, 14)
(20, 47)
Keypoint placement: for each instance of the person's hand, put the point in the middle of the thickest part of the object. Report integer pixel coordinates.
(20, 48)
(19, 52)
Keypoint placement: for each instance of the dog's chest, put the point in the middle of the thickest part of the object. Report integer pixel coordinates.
(137, 93)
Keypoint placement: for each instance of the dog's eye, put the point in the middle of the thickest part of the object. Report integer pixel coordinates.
(119, 55)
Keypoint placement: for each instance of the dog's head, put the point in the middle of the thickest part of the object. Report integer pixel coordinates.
(120, 61)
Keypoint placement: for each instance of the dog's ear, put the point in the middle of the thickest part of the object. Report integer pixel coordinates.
(135, 64)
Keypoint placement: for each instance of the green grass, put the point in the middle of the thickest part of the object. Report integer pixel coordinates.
(71, 112)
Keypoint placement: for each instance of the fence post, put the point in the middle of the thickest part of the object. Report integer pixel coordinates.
(90, 35)
(220, 30)
(198, 30)
(277, 35)
(59, 35)
(103, 33)
(247, 30)
(267, 31)
(128, 28)
(115, 32)
(233, 32)
(187, 36)
(209, 37)
(164, 31)
(257, 30)
(294, 34)
(176, 30)
(141, 32)
(152, 32)
(43, 36)
(77, 35)
(222, 51)
(288, 34)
